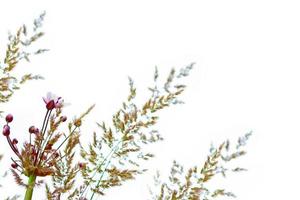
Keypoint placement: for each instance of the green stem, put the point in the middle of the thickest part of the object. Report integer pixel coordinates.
(29, 191)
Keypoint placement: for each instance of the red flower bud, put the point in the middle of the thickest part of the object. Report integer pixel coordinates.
(32, 129)
(9, 118)
(6, 130)
(50, 105)
(14, 165)
(15, 141)
(63, 118)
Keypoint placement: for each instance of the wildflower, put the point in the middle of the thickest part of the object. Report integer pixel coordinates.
(52, 101)
(9, 118)
(37, 158)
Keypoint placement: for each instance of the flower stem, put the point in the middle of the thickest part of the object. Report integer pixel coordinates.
(29, 191)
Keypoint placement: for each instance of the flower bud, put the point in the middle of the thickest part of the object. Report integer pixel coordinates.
(14, 165)
(9, 118)
(6, 130)
(50, 105)
(31, 129)
(63, 118)
(15, 141)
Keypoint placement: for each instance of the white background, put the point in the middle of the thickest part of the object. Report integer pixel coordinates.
(246, 78)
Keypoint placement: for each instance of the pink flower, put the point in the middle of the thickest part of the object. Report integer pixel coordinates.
(52, 101)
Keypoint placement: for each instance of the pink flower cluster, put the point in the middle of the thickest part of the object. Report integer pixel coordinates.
(52, 102)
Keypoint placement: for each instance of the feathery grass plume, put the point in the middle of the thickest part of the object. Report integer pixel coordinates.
(192, 184)
(65, 170)
(114, 156)
(19, 48)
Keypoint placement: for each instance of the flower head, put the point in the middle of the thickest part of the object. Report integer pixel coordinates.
(52, 101)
